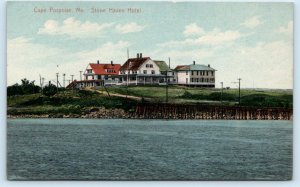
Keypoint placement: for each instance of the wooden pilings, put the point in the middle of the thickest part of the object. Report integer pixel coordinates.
(181, 111)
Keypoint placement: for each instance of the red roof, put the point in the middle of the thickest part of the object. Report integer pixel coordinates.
(106, 69)
(134, 63)
(182, 67)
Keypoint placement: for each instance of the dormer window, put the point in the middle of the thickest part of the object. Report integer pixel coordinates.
(110, 70)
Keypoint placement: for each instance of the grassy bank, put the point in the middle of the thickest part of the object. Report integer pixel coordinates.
(181, 94)
(65, 102)
(84, 101)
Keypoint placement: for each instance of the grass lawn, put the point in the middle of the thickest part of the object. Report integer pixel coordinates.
(64, 102)
(182, 94)
(79, 101)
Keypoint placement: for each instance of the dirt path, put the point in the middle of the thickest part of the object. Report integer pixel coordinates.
(121, 95)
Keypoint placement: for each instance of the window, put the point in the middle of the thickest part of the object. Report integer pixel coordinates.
(151, 65)
(192, 79)
(145, 71)
(147, 65)
(89, 71)
(197, 72)
(206, 73)
(212, 73)
(192, 72)
(186, 80)
(152, 72)
(186, 72)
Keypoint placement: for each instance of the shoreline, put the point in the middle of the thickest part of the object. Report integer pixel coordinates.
(129, 117)
(149, 111)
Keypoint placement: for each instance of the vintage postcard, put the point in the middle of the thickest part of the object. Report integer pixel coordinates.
(149, 91)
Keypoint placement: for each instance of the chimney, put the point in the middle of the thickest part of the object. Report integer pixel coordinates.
(98, 61)
(194, 62)
(209, 65)
(137, 55)
(141, 55)
(111, 63)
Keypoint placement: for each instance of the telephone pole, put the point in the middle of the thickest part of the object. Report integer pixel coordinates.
(167, 92)
(64, 79)
(57, 81)
(40, 80)
(239, 79)
(43, 79)
(221, 92)
(72, 77)
(80, 75)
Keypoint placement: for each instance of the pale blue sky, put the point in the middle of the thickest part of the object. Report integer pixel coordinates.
(253, 41)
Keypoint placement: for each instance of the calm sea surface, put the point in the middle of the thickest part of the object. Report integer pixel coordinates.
(99, 149)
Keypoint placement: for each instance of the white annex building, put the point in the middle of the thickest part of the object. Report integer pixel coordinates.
(195, 75)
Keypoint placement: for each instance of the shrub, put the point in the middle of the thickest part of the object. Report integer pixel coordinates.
(26, 87)
(50, 90)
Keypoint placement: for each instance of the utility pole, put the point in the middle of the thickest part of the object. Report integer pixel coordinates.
(127, 66)
(40, 80)
(57, 81)
(221, 93)
(64, 79)
(80, 75)
(43, 79)
(167, 92)
(239, 79)
(72, 77)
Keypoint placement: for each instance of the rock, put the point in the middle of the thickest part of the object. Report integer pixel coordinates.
(94, 110)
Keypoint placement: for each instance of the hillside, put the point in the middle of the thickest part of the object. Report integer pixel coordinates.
(82, 102)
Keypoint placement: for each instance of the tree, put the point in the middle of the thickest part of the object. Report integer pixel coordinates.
(26, 87)
(50, 90)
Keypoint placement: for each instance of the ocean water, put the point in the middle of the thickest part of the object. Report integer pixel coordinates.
(109, 149)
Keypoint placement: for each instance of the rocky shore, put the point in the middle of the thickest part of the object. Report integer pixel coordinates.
(99, 113)
(161, 111)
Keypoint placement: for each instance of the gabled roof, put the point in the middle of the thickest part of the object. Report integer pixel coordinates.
(134, 63)
(182, 68)
(194, 67)
(162, 65)
(101, 69)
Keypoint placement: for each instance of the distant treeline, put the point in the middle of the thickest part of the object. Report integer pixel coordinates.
(28, 87)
